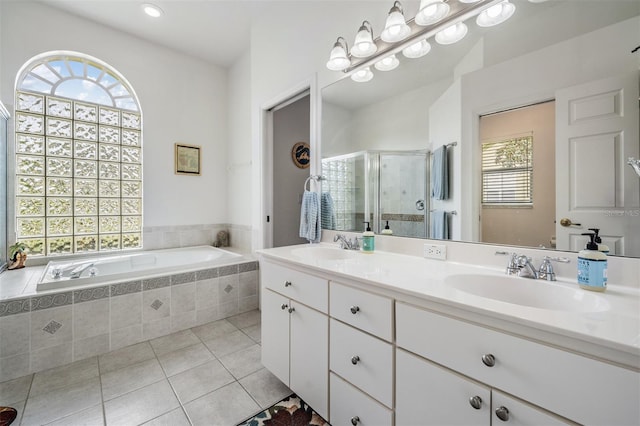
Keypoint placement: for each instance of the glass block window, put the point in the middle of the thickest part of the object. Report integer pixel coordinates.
(507, 172)
(78, 158)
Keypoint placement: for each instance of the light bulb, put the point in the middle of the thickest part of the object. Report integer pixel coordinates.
(496, 14)
(387, 64)
(452, 33)
(152, 10)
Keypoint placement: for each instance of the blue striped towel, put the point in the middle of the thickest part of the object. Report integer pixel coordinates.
(328, 211)
(309, 217)
(440, 174)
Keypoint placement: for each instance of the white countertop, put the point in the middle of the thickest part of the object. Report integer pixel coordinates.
(612, 333)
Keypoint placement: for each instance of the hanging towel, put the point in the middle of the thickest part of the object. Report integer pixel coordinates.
(440, 174)
(328, 211)
(439, 229)
(309, 217)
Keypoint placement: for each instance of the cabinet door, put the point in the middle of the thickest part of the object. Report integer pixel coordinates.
(513, 412)
(275, 334)
(310, 357)
(350, 406)
(427, 394)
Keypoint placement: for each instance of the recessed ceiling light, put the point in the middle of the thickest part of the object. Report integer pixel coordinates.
(152, 10)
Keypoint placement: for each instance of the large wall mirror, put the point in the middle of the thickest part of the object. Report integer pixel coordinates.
(538, 117)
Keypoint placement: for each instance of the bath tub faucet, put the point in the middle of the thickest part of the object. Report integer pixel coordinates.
(79, 270)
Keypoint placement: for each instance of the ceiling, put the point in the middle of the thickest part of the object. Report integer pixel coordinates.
(217, 31)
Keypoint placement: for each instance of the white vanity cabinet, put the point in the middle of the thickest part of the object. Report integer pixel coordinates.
(295, 332)
(575, 387)
(360, 356)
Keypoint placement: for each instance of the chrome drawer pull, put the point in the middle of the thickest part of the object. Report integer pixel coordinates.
(355, 420)
(476, 402)
(287, 283)
(502, 413)
(355, 309)
(355, 359)
(291, 309)
(284, 306)
(489, 360)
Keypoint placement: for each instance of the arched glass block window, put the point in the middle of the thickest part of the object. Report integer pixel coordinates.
(78, 157)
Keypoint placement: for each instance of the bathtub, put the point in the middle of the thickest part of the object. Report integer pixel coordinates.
(96, 270)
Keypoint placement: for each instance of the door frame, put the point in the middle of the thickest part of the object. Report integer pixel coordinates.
(264, 177)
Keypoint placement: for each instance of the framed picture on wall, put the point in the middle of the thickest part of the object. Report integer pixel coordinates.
(187, 159)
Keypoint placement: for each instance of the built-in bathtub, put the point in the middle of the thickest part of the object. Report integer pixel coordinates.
(96, 270)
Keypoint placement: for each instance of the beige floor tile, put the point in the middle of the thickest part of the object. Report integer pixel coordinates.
(243, 362)
(92, 416)
(214, 329)
(265, 388)
(225, 406)
(175, 417)
(15, 390)
(174, 341)
(125, 357)
(254, 332)
(246, 319)
(198, 381)
(229, 343)
(48, 407)
(184, 359)
(64, 376)
(141, 405)
(124, 380)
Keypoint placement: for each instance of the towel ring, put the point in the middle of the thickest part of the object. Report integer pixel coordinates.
(311, 177)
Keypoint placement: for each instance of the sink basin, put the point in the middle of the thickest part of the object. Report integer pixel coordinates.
(528, 292)
(323, 253)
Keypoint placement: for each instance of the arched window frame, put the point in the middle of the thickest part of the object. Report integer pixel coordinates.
(78, 157)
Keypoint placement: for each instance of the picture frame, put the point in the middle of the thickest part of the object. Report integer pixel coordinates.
(301, 155)
(187, 159)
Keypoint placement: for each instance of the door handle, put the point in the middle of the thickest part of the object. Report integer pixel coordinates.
(566, 222)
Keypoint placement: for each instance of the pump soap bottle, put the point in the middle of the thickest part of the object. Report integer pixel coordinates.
(368, 243)
(592, 266)
(601, 247)
(387, 230)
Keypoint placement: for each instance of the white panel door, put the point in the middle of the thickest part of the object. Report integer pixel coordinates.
(310, 357)
(597, 130)
(275, 334)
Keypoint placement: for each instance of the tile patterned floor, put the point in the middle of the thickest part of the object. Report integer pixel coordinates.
(207, 375)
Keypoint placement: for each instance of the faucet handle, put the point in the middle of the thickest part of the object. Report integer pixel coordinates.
(546, 272)
(513, 268)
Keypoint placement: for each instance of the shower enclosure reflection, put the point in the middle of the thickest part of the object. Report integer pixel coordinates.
(379, 187)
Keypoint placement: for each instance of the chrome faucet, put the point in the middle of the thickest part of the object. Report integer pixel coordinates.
(521, 266)
(346, 243)
(80, 269)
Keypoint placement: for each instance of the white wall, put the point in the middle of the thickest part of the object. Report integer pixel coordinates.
(183, 99)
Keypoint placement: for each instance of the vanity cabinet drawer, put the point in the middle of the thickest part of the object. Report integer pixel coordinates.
(578, 388)
(308, 289)
(349, 406)
(363, 360)
(366, 311)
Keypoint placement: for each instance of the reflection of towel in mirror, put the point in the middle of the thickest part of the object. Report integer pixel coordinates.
(309, 216)
(328, 211)
(440, 174)
(439, 229)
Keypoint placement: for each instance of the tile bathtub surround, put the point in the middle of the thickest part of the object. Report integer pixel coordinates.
(171, 380)
(46, 331)
(165, 237)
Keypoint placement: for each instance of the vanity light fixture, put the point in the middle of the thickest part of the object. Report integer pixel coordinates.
(496, 14)
(395, 28)
(364, 46)
(387, 64)
(417, 50)
(362, 75)
(431, 12)
(452, 34)
(339, 56)
(152, 10)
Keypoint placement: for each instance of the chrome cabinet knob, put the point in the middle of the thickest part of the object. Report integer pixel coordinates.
(355, 420)
(476, 402)
(355, 309)
(284, 306)
(502, 413)
(489, 360)
(291, 309)
(355, 359)
(287, 283)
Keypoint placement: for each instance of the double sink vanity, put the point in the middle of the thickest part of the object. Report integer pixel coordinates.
(385, 338)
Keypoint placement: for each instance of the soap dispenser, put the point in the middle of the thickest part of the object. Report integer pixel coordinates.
(368, 243)
(387, 230)
(592, 266)
(601, 247)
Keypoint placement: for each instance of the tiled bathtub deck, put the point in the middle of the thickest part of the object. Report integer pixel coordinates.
(206, 375)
